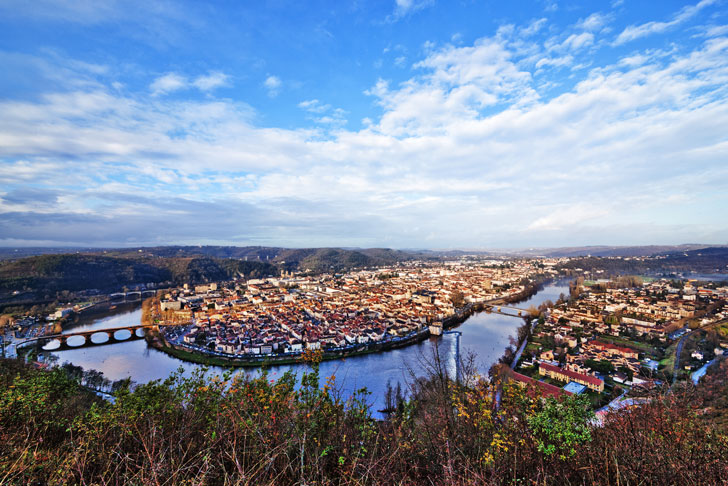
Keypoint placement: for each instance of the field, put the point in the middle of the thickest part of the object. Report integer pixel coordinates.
(669, 360)
(643, 347)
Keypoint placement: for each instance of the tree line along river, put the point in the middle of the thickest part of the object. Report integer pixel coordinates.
(484, 334)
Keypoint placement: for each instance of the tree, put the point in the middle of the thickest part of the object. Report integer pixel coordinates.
(561, 426)
(602, 366)
(457, 298)
(72, 371)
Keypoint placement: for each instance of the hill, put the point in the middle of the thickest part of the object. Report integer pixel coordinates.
(709, 260)
(305, 259)
(73, 272)
(39, 278)
(336, 259)
(609, 251)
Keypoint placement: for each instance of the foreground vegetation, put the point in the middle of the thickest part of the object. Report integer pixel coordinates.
(239, 430)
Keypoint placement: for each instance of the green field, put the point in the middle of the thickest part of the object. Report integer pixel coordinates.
(644, 347)
(669, 360)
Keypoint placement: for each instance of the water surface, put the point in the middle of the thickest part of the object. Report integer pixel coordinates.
(484, 334)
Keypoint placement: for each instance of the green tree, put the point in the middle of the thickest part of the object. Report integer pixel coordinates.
(562, 425)
(602, 366)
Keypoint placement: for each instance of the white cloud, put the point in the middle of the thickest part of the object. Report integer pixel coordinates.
(470, 145)
(273, 85)
(577, 41)
(636, 31)
(168, 83)
(566, 216)
(323, 113)
(175, 82)
(314, 106)
(593, 22)
(717, 30)
(402, 8)
(533, 27)
(457, 84)
(551, 6)
(212, 80)
(65, 10)
(562, 61)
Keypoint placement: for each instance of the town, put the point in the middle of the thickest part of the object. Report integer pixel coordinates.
(608, 338)
(291, 314)
(625, 335)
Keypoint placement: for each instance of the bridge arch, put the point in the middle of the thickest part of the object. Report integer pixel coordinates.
(100, 337)
(121, 334)
(75, 341)
(52, 345)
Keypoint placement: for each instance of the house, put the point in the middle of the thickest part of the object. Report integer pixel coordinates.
(547, 355)
(170, 305)
(614, 350)
(546, 389)
(560, 374)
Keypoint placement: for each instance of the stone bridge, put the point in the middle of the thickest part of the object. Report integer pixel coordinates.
(133, 295)
(111, 336)
(507, 310)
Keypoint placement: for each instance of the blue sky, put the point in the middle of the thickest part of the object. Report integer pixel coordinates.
(406, 124)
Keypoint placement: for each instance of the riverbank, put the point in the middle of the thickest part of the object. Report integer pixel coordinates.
(97, 310)
(253, 361)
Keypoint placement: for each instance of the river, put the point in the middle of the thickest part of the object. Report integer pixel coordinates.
(484, 334)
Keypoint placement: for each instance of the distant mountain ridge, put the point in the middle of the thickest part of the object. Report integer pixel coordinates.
(710, 260)
(51, 273)
(42, 276)
(112, 269)
(370, 255)
(611, 251)
(305, 259)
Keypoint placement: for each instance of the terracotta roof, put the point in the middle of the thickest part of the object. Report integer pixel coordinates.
(602, 345)
(572, 374)
(547, 389)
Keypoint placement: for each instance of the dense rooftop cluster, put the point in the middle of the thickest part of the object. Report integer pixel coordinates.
(293, 313)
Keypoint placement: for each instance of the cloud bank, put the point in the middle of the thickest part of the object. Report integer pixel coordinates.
(474, 149)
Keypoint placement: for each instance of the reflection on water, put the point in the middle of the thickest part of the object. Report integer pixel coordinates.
(486, 335)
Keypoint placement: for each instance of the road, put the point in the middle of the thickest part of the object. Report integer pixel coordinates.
(523, 346)
(678, 352)
(614, 403)
(680, 343)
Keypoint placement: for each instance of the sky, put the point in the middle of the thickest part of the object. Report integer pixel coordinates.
(392, 123)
